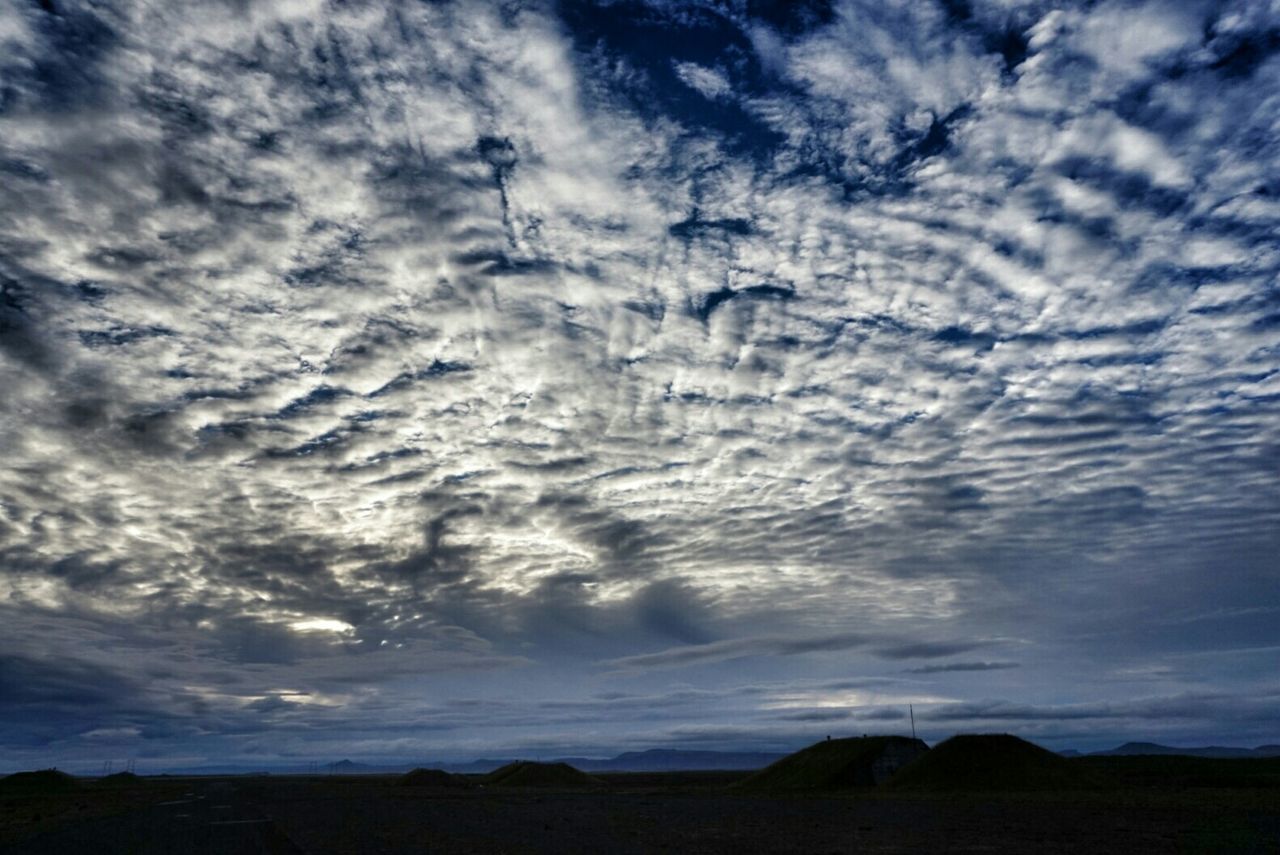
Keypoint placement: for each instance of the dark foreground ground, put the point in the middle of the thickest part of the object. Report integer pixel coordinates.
(631, 813)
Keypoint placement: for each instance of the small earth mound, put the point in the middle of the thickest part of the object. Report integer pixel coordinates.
(120, 779)
(990, 762)
(835, 764)
(524, 773)
(432, 778)
(43, 781)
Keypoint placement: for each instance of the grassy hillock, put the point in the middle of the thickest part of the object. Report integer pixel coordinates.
(990, 762)
(524, 773)
(432, 778)
(120, 779)
(43, 781)
(835, 764)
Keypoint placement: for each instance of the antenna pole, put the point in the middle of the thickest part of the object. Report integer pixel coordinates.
(912, 710)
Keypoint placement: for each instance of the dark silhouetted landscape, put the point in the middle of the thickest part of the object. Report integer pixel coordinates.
(971, 793)
(624, 426)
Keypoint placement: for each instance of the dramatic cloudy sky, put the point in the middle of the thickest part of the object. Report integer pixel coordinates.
(418, 380)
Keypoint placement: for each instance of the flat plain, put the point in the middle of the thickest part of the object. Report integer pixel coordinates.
(635, 813)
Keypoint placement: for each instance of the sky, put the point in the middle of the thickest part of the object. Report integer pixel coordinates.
(464, 379)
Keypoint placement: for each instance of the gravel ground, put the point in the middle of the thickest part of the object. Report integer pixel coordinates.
(372, 815)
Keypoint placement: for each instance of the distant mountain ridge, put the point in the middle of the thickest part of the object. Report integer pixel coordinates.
(676, 760)
(666, 760)
(1130, 749)
(651, 760)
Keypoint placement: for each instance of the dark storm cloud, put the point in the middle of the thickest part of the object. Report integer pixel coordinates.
(1250, 716)
(886, 714)
(59, 686)
(817, 716)
(951, 667)
(926, 650)
(728, 649)
(720, 651)
(351, 357)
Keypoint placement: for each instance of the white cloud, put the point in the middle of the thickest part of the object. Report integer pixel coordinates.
(407, 328)
(709, 82)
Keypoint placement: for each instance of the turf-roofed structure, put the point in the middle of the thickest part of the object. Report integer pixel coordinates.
(836, 764)
(43, 781)
(120, 779)
(990, 762)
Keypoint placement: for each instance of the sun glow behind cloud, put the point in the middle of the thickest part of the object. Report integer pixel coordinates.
(321, 625)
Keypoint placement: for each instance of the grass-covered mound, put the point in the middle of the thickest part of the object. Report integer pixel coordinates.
(835, 764)
(524, 773)
(120, 779)
(43, 781)
(990, 762)
(431, 778)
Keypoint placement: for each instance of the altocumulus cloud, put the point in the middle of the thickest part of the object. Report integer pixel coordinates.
(377, 379)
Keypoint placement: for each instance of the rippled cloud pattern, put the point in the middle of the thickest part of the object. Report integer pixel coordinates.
(441, 378)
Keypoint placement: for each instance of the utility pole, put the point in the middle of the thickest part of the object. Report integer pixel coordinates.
(912, 710)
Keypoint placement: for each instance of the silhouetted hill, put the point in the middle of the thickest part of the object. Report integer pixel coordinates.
(651, 760)
(120, 779)
(432, 778)
(838, 763)
(990, 762)
(523, 773)
(43, 781)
